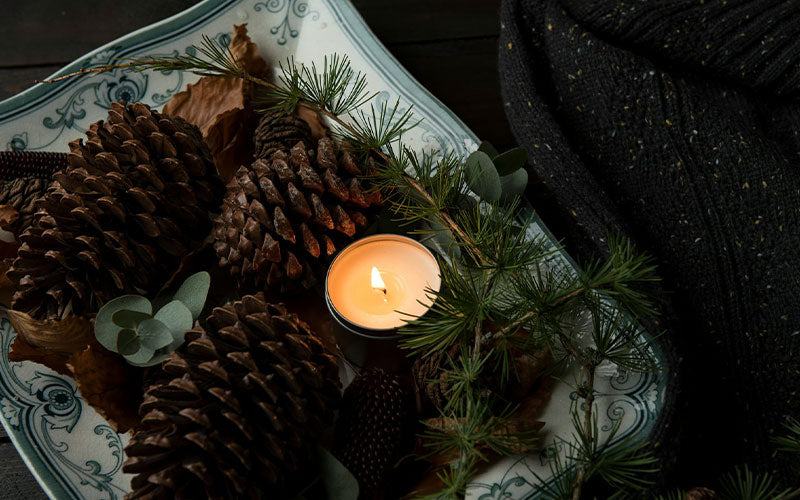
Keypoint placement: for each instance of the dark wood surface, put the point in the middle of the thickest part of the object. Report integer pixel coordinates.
(450, 46)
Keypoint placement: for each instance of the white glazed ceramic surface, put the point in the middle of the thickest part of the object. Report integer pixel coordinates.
(70, 449)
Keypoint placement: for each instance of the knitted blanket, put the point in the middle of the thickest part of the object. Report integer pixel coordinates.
(677, 123)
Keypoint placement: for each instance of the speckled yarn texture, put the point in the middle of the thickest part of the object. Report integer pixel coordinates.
(677, 123)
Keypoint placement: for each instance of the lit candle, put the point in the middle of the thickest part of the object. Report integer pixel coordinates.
(377, 285)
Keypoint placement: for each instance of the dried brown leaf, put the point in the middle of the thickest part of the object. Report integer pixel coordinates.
(195, 261)
(6, 285)
(109, 384)
(220, 107)
(8, 242)
(701, 493)
(528, 370)
(20, 350)
(8, 216)
(69, 335)
(318, 129)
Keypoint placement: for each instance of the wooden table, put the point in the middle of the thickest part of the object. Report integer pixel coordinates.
(450, 46)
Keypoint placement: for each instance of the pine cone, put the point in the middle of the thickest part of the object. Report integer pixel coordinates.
(371, 427)
(134, 199)
(701, 493)
(277, 131)
(38, 164)
(283, 218)
(429, 374)
(248, 399)
(24, 177)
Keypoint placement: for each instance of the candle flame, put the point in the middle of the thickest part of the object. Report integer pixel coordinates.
(377, 281)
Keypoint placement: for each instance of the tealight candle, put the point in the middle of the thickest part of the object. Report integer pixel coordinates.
(375, 286)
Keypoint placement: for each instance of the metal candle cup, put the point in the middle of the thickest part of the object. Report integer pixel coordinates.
(369, 286)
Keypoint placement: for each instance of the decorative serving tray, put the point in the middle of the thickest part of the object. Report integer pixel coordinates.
(69, 448)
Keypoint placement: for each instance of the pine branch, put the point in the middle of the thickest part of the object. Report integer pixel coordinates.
(214, 60)
(742, 483)
(588, 393)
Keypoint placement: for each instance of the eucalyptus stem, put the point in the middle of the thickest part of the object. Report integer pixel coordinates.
(588, 389)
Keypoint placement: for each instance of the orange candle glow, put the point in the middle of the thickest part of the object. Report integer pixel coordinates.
(380, 282)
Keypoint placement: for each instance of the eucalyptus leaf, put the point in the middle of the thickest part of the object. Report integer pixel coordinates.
(390, 222)
(193, 292)
(142, 357)
(466, 201)
(482, 177)
(487, 148)
(177, 317)
(439, 238)
(339, 482)
(104, 328)
(514, 184)
(510, 161)
(154, 334)
(156, 358)
(125, 318)
(127, 342)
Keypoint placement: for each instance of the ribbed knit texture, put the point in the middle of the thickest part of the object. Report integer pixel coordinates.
(676, 123)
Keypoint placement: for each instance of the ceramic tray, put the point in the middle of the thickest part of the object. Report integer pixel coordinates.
(71, 450)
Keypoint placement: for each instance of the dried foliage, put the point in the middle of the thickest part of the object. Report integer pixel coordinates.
(111, 386)
(221, 107)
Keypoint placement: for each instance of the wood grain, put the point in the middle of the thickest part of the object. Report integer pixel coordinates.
(54, 32)
(16, 480)
(408, 21)
(15, 80)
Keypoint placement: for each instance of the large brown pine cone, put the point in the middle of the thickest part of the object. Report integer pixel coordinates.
(372, 427)
(248, 400)
(134, 199)
(283, 218)
(277, 131)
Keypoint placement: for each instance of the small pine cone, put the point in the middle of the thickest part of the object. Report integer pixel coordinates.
(38, 164)
(701, 494)
(371, 428)
(134, 200)
(247, 401)
(24, 177)
(429, 374)
(284, 218)
(278, 131)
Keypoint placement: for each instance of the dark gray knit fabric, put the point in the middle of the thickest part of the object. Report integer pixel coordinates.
(678, 123)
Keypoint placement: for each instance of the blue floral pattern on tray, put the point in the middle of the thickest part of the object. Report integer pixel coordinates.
(70, 449)
(291, 10)
(48, 421)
